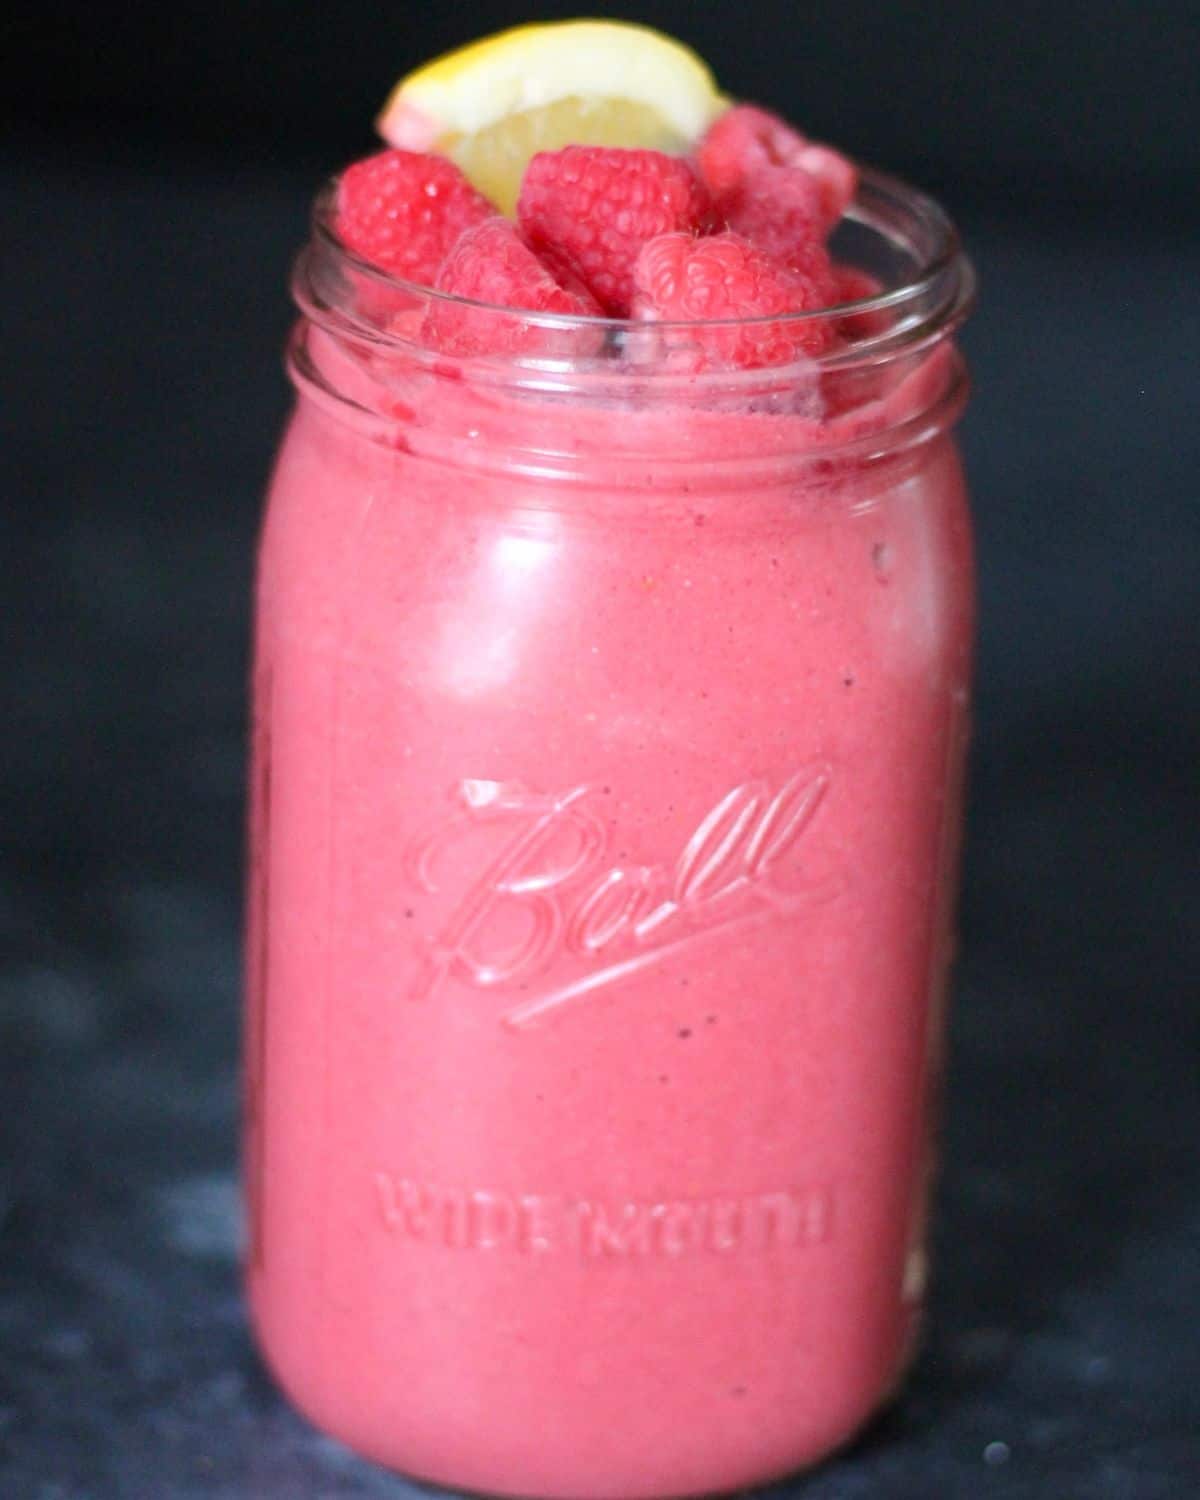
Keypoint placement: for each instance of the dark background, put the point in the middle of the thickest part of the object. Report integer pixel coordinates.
(156, 161)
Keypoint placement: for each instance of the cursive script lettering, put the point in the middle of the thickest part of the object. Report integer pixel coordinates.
(547, 875)
(590, 1228)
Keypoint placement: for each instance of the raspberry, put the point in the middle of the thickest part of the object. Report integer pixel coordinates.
(835, 175)
(491, 263)
(854, 285)
(402, 211)
(680, 278)
(746, 139)
(741, 139)
(779, 209)
(590, 209)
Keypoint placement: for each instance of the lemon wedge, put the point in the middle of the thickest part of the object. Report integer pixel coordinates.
(490, 105)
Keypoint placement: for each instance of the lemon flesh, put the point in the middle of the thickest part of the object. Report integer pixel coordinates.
(491, 105)
(495, 158)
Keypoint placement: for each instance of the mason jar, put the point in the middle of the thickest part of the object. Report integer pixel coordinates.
(609, 717)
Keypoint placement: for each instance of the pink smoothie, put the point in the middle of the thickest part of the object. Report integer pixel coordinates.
(605, 815)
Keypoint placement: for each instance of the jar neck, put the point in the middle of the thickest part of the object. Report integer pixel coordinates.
(553, 396)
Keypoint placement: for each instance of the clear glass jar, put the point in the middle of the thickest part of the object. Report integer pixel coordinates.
(609, 726)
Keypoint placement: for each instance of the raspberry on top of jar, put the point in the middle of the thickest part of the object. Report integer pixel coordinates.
(592, 170)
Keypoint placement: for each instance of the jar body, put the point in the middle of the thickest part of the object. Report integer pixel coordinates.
(603, 853)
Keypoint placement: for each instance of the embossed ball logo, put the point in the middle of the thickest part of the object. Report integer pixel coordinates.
(548, 875)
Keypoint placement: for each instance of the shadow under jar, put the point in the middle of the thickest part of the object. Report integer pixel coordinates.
(609, 728)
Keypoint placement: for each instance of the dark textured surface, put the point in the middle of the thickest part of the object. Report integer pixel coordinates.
(143, 317)
(1088, 101)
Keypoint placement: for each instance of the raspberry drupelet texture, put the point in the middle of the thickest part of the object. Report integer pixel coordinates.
(779, 210)
(403, 211)
(723, 276)
(736, 233)
(590, 209)
(491, 263)
(746, 139)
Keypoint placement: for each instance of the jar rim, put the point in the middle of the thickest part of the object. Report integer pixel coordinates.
(877, 388)
(941, 284)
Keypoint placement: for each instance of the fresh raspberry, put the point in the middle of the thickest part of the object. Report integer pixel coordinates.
(854, 285)
(402, 211)
(491, 263)
(746, 139)
(779, 210)
(835, 175)
(680, 278)
(741, 139)
(590, 209)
